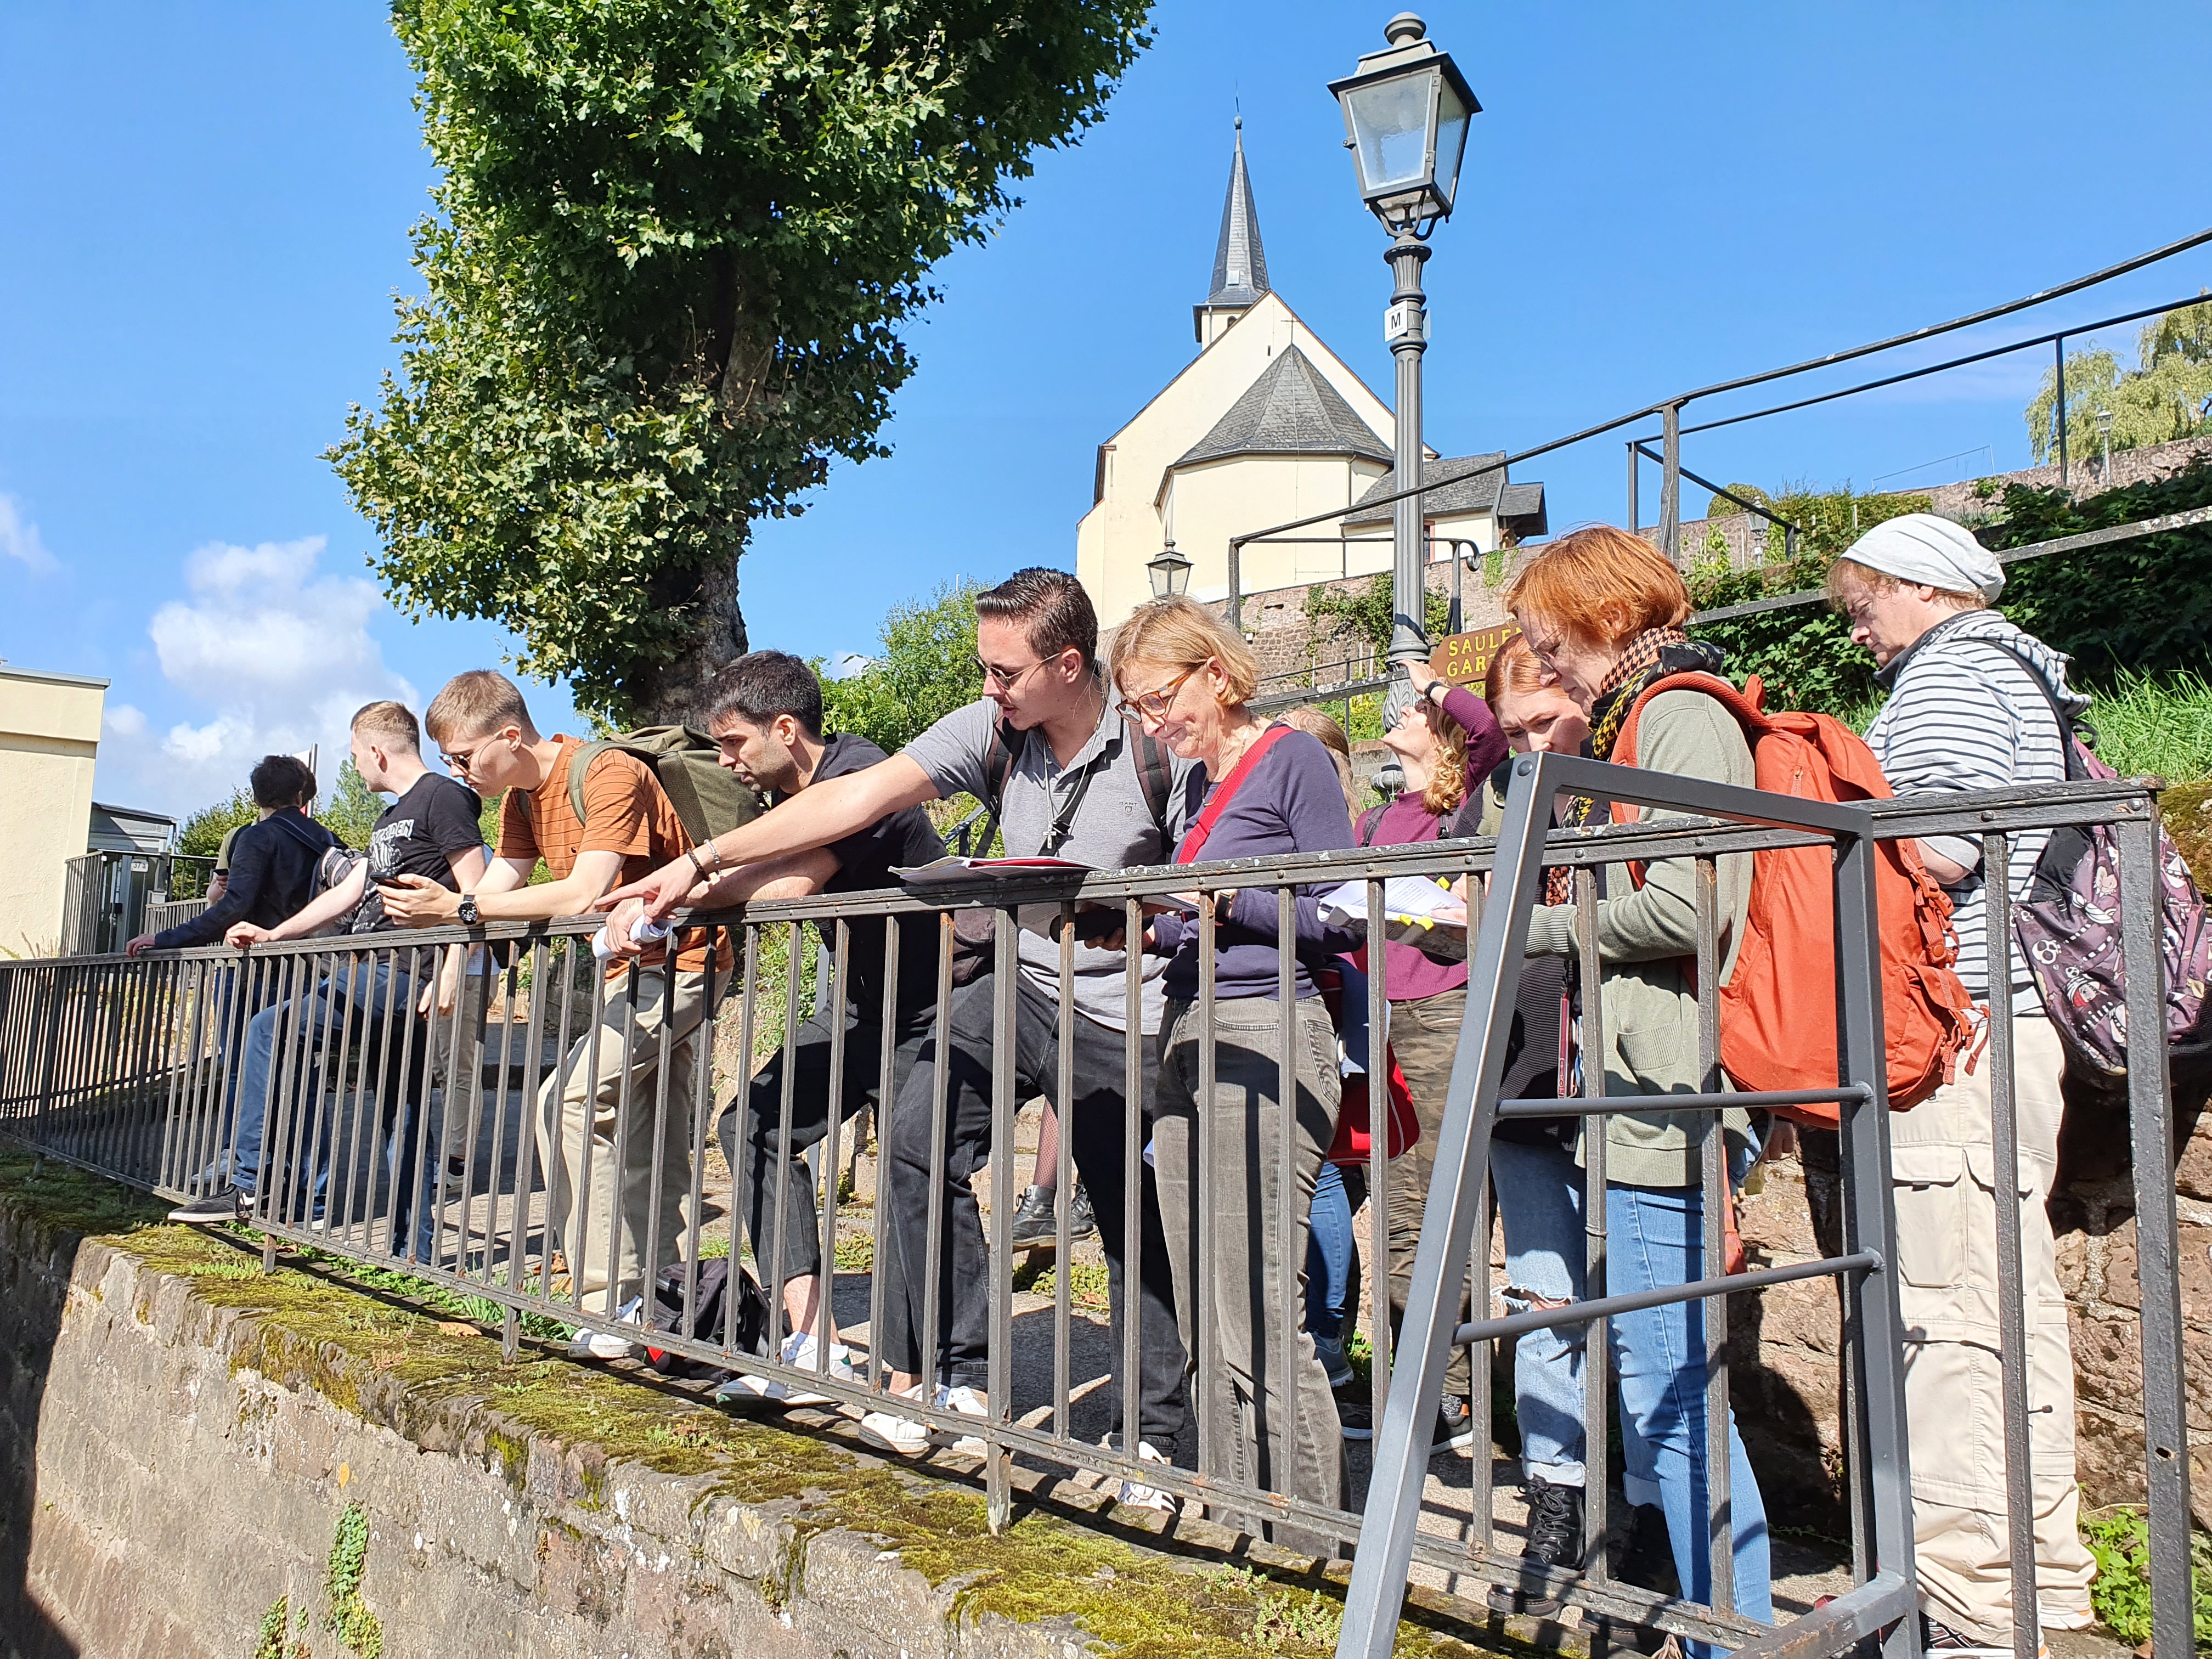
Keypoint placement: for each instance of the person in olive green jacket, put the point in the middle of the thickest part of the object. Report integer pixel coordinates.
(1603, 612)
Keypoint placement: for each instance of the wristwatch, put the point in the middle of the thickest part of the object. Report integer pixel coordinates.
(468, 916)
(1429, 693)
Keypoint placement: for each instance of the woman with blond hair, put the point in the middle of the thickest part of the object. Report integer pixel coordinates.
(1603, 612)
(1446, 741)
(1270, 790)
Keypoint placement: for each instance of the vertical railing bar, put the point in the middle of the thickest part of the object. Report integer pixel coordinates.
(1005, 1067)
(887, 1096)
(833, 1159)
(415, 955)
(930, 1338)
(2011, 1313)
(1288, 1308)
(525, 1149)
(579, 1178)
(1720, 1531)
(1378, 1166)
(648, 1247)
(1204, 1297)
(2158, 1263)
(749, 964)
(1133, 1171)
(1063, 1103)
(702, 1107)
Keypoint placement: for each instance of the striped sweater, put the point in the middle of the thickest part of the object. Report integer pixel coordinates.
(1963, 716)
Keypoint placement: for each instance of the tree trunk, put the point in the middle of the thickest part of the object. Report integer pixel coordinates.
(671, 696)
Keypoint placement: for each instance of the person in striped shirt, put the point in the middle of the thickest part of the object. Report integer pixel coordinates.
(1965, 712)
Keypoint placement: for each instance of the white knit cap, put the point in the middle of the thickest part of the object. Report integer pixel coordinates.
(1922, 548)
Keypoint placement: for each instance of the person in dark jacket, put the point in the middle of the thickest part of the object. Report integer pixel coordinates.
(272, 862)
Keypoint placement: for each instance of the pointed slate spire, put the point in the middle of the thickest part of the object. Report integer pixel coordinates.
(1240, 263)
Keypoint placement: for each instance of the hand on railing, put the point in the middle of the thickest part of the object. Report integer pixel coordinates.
(139, 945)
(244, 936)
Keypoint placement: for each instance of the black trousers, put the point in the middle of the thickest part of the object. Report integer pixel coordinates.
(1095, 1122)
(772, 1182)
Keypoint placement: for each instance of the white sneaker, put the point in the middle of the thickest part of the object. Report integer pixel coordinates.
(967, 1403)
(598, 1345)
(800, 1351)
(1149, 1498)
(894, 1433)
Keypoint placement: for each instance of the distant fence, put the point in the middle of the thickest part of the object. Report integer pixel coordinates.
(110, 898)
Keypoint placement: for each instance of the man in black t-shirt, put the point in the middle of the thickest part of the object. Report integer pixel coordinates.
(765, 710)
(431, 830)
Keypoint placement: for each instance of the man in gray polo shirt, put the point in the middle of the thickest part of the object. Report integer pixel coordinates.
(1073, 788)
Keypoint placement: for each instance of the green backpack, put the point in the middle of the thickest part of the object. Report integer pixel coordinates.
(708, 798)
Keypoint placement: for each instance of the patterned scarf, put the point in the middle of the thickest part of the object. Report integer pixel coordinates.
(1643, 662)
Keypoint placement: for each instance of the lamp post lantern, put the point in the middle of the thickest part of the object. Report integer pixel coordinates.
(1170, 572)
(1406, 113)
(2105, 433)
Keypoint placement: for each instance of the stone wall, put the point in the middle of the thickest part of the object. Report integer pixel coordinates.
(1289, 641)
(200, 1461)
(1744, 535)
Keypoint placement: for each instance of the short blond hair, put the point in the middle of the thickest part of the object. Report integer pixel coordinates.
(1601, 585)
(1846, 572)
(392, 721)
(472, 704)
(1180, 633)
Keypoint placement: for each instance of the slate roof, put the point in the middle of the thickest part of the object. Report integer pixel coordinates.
(1522, 506)
(1478, 494)
(1240, 263)
(1291, 409)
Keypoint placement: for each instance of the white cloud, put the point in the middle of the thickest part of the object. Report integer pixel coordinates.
(280, 658)
(19, 539)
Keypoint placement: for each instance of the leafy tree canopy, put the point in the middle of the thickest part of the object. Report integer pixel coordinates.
(2168, 395)
(203, 833)
(926, 670)
(672, 245)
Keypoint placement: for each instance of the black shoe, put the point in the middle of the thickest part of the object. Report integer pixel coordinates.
(1081, 1223)
(210, 1209)
(1357, 1416)
(1454, 1424)
(1033, 1222)
(1647, 1561)
(1555, 1540)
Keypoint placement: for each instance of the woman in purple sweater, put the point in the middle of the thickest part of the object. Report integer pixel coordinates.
(1447, 740)
(1270, 790)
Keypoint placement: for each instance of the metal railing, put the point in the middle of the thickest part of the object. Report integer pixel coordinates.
(440, 1138)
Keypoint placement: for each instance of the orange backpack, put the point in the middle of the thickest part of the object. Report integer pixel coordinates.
(1777, 1010)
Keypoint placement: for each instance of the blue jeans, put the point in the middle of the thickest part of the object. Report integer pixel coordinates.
(1333, 1251)
(379, 995)
(1539, 1206)
(1656, 1237)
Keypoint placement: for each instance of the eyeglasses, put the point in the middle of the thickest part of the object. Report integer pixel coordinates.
(1006, 679)
(458, 764)
(1156, 704)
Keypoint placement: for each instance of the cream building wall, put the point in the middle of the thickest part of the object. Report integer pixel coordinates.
(1127, 522)
(49, 736)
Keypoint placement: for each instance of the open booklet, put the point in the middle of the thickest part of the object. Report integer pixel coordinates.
(1416, 911)
(968, 875)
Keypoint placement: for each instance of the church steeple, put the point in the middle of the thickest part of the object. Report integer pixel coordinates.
(1240, 263)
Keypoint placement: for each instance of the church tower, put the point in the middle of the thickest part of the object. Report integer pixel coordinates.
(1240, 263)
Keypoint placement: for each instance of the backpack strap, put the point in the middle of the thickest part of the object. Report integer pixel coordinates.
(2069, 738)
(580, 767)
(1155, 777)
(997, 766)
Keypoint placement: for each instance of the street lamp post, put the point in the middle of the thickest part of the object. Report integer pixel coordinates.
(2105, 433)
(1405, 113)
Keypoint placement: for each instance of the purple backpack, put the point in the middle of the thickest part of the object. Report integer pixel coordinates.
(2069, 929)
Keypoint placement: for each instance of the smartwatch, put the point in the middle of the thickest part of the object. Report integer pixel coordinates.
(468, 916)
(1429, 696)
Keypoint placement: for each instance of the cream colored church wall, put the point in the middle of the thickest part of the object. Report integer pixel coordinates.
(1124, 529)
(1212, 503)
(49, 735)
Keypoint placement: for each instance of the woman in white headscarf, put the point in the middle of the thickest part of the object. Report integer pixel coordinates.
(1974, 704)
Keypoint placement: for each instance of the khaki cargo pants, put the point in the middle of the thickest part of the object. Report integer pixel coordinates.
(1944, 1185)
(637, 1146)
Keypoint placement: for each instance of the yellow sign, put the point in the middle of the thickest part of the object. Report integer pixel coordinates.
(1464, 659)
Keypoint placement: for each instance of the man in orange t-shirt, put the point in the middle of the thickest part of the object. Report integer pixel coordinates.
(629, 828)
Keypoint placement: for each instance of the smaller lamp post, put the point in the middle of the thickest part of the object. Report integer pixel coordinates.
(1170, 573)
(2105, 433)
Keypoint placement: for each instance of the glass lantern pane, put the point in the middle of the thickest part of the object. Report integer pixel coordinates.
(1391, 126)
(1451, 141)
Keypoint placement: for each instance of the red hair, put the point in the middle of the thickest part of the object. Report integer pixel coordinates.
(1601, 585)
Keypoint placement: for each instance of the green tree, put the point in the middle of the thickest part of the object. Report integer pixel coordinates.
(925, 669)
(673, 244)
(2168, 395)
(201, 836)
(351, 811)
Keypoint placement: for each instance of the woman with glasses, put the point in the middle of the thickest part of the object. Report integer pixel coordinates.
(1270, 790)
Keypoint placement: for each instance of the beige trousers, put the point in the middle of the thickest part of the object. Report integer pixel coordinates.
(1944, 1183)
(638, 1145)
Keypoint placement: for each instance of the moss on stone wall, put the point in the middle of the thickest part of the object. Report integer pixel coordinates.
(405, 1365)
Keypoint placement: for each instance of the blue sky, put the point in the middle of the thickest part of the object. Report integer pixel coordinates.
(206, 212)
